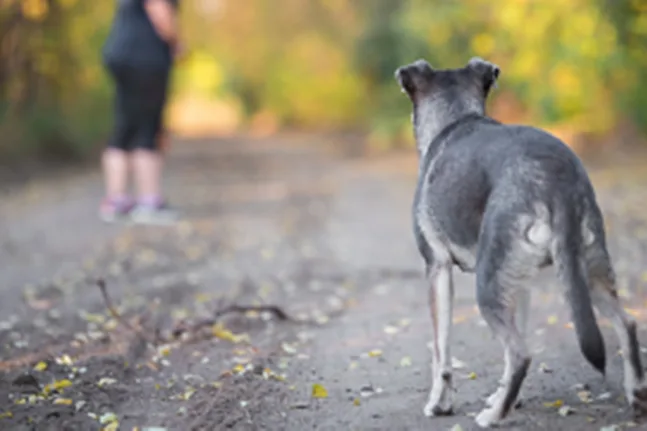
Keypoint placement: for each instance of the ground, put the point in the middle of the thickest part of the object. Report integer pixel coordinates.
(301, 223)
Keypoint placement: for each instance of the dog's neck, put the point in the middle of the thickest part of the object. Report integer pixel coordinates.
(430, 117)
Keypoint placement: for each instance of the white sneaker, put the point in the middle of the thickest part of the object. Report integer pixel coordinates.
(159, 215)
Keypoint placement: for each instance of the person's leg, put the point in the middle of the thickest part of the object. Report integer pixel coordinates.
(147, 167)
(147, 157)
(114, 160)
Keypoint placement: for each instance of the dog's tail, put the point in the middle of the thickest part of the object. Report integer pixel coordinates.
(572, 272)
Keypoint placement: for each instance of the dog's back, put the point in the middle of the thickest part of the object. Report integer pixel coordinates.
(482, 166)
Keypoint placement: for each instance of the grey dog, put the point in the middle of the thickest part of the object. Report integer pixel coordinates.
(503, 201)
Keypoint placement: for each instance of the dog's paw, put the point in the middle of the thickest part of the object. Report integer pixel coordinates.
(440, 402)
(436, 409)
(638, 400)
(488, 417)
(493, 398)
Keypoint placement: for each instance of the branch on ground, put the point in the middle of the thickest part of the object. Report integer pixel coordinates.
(183, 327)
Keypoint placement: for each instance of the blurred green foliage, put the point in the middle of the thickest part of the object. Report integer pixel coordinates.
(326, 64)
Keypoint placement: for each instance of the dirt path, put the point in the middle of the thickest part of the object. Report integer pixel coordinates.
(323, 236)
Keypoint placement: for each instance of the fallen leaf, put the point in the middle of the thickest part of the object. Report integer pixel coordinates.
(219, 331)
(565, 410)
(472, 375)
(405, 322)
(356, 402)
(186, 396)
(584, 396)
(108, 418)
(405, 361)
(63, 401)
(6, 415)
(105, 381)
(288, 348)
(544, 368)
(456, 427)
(318, 391)
(556, 403)
(112, 426)
(552, 319)
(375, 353)
(56, 386)
(391, 330)
(41, 366)
(65, 360)
(457, 364)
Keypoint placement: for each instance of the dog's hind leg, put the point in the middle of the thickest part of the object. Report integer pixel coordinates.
(522, 299)
(441, 295)
(605, 299)
(502, 269)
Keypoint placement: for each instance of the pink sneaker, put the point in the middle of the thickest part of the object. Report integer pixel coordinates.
(114, 210)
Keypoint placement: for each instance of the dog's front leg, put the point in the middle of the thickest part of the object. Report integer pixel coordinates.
(441, 297)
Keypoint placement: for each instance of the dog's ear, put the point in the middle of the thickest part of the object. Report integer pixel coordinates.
(414, 77)
(487, 72)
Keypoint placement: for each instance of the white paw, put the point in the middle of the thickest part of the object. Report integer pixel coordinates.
(440, 402)
(488, 417)
(495, 397)
(438, 409)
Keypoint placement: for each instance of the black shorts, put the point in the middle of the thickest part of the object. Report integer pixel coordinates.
(139, 107)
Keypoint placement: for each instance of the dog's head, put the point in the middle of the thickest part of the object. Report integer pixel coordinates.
(467, 85)
(440, 96)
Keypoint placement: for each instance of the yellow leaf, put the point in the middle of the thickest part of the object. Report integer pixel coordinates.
(552, 319)
(63, 401)
(472, 376)
(219, 331)
(65, 360)
(356, 402)
(41, 366)
(405, 362)
(556, 403)
(318, 391)
(108, 418)
(375, 353)
(6, 415)
(57, 386)
(112, 426)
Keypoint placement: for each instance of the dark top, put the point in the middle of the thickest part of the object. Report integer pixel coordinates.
(133, 41)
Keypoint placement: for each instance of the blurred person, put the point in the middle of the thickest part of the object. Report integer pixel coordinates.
(139, 54)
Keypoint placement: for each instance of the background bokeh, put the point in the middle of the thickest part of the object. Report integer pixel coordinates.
(576, 67)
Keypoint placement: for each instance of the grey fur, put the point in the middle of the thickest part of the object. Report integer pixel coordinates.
(504, 201)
